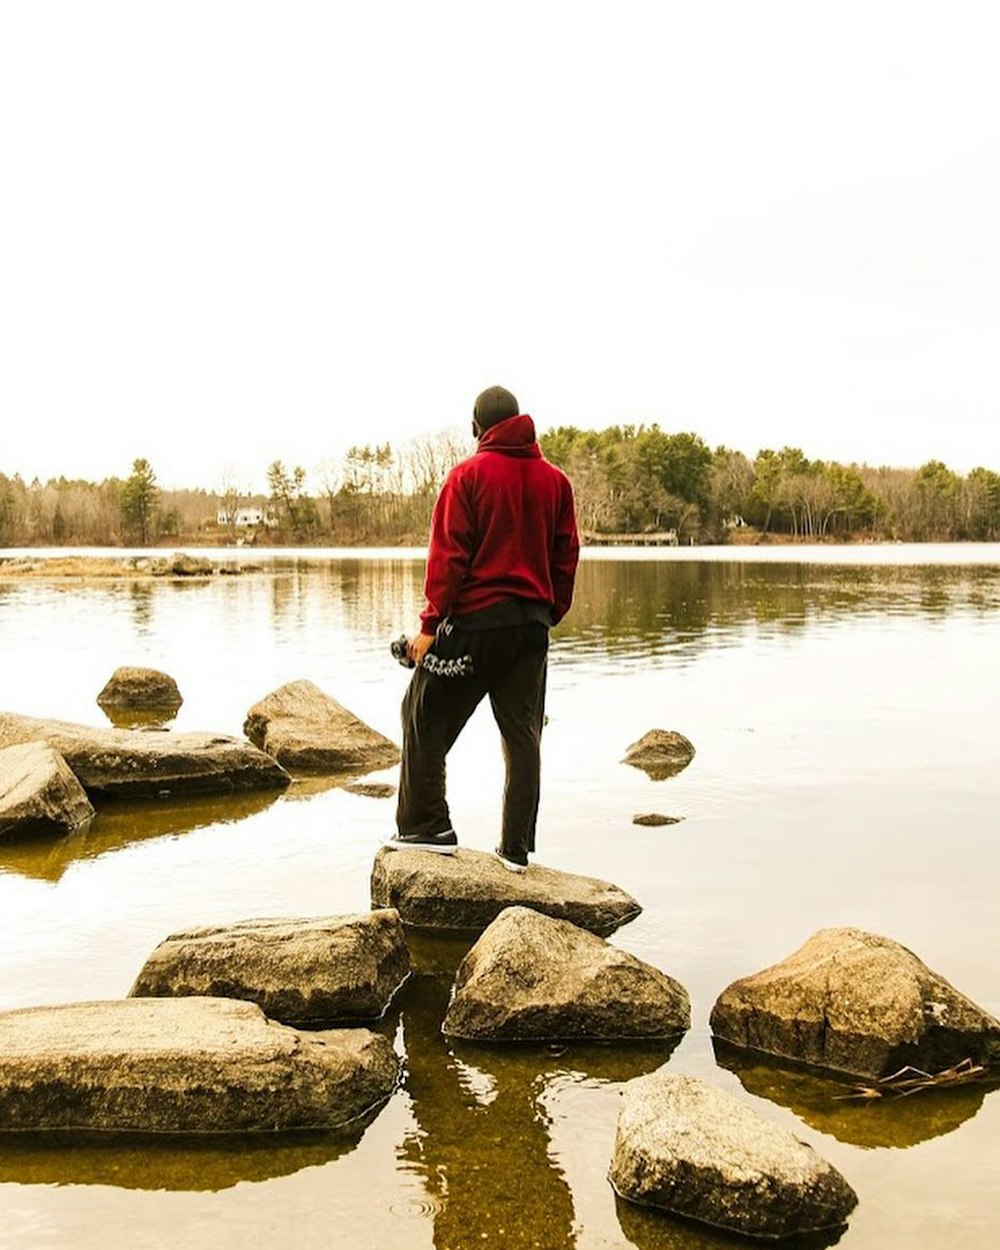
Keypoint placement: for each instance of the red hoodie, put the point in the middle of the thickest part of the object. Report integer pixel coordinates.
(504, 527)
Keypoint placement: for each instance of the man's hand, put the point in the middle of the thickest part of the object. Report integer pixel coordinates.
(418, 647)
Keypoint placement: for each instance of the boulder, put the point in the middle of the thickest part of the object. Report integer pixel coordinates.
(143, 689)
(469, 889)
(336, 969)
(686, 1147)
(654, 819)
(180, 564)
(532, 978)
(38, 793)
(190, 1065)
(113, 762)
(305, 729)
(856, 1004)
(661, 753)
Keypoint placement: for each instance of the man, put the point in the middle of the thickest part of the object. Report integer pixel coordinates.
(500, 569)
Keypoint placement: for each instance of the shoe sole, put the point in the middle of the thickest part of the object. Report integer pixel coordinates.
(510, 865)
(419, 846)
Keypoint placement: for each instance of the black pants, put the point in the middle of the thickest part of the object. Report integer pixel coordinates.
(509, 665)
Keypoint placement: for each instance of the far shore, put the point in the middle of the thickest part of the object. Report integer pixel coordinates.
(135, 564)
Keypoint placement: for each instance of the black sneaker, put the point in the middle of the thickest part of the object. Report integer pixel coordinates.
(441, 843)
(513, 861)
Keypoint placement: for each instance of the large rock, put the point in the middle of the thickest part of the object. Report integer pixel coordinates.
(305, 729)
(130, 762)
(687, 1147)
(144, 689)
(854, 1003)
(181, 564)
(38, 793)
(661, 753)
(469, 889)
(333, 969)
(530, 977)
(191, 1065)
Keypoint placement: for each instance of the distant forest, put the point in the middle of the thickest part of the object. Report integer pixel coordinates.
(629, 480)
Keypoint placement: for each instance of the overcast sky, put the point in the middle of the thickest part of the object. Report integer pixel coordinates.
(231, 232)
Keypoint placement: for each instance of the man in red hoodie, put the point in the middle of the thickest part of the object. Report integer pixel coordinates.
(500, 570)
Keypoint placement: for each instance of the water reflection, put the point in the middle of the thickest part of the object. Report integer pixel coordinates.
(482, 1144)
(165, 1163)
(881, 1122)
(649, 606)
(647, 1229)
(118, 824)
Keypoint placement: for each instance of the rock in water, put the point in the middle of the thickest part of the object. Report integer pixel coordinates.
(305, 729)
(38, 793)
(145, 689)
(470, 889)
(181, 564)
(128, 762)
(661, 753)
(687, 1147)
(333, 969)
(532, 978)
(371, 789)
(854, 1003)
(191, 1065)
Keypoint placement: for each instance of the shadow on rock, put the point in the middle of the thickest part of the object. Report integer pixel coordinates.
(120, 823)
(890, 1121)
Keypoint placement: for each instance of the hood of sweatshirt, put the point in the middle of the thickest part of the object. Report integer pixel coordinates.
(513, 437)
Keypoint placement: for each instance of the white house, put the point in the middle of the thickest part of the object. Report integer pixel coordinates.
(247, 518)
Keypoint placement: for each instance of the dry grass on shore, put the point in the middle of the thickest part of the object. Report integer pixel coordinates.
(75, 567)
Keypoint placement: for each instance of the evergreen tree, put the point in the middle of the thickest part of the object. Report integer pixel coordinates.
(138, 501)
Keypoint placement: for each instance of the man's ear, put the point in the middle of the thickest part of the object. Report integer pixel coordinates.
(476, 431)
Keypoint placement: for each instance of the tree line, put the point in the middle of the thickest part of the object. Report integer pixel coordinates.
(640, 479)
(628, 480)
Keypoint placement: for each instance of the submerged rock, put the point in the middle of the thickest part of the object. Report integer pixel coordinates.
(303, 728)
(38, 793)
(855, 1003)
(655, 819)
(530, 977)
(661, 753)
(113, 762)
(371, 789)
(331, 969)
(689, 1148)
(470, 889)
(192, 1065)
(142, 689)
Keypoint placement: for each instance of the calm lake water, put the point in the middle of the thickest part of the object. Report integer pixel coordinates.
(843, 703)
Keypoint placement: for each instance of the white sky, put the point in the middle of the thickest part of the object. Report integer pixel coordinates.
(231, 232)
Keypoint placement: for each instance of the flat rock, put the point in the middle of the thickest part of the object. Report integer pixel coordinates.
(38, 793)
(140, 688)
(689, 1148)
(854, 1003)
(371, 789)
(184, 1065)
(470, 889)
(332, 969)
(533, 978)
(305, 729)
(113, 762)
(654, 819)
(661, 753)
